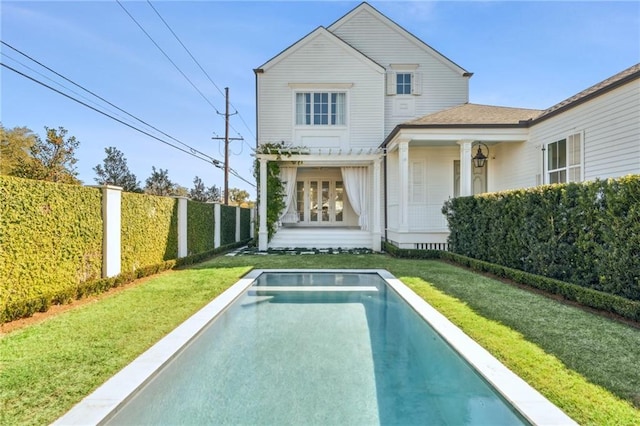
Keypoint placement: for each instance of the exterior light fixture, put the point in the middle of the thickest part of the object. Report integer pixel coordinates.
(480, 158)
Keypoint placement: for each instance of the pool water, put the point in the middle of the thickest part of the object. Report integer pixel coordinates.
(300, 348)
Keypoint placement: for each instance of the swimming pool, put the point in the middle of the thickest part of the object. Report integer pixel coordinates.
(330, 347)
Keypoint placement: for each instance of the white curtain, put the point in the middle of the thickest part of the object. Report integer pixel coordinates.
(356, 184)
(288, 178)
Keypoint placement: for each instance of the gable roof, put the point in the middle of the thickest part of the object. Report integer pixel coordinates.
(613, 82)
(366, 7)
(318, 32)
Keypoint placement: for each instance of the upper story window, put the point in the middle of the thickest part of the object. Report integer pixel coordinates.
(403, 83)
(404, 79)
(321, 108)
(564, 159)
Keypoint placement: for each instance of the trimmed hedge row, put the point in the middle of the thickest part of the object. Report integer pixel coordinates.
(586, 234)
(200, 227)
(149, 230)
(227, 225)
(50, 243)
(245, 224)
(585, 296)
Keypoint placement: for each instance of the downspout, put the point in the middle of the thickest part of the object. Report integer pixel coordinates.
(543, 159)
(258, 195)
(385, 194)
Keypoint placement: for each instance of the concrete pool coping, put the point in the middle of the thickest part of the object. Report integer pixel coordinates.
(106, 399)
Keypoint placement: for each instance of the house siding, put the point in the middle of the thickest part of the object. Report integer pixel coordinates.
(611, 126)
(443, 85)
(316, 63)
(512, 165)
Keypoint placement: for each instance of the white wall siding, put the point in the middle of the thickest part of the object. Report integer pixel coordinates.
(512, 165)
(443, 85)
(611, 146)
(611, 126)
(322, 61)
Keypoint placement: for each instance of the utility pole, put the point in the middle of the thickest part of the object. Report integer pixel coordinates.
(226, 145)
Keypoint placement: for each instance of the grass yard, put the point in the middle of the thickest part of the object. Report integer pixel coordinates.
(584, 363)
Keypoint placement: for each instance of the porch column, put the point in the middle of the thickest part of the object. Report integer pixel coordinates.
(465, 167)
(375, 232)
(403, 199)
(263, 233)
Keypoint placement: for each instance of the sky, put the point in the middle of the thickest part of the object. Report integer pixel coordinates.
(523, 54)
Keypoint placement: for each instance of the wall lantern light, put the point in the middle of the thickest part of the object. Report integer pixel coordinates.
(480, 158)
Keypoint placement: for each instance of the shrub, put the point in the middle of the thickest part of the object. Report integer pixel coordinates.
(200, 227)
(149, 230)
(245, 224)
(51, 243)
(227, 225)
(586, 234)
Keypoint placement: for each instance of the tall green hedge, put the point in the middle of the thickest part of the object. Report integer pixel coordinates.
(200, 227)
(149, 230)
(50, 242)
(245, 224)
(227, 225)
(582, 233)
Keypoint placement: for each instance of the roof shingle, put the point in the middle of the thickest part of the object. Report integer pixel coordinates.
(477, 114)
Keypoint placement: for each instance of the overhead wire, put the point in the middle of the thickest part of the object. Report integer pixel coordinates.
(167, 56)
(92, 93)
(204, 71)
(179, 70)
(191, 151)
(104, 113)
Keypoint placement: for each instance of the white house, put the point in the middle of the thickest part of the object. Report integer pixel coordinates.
(382, 134)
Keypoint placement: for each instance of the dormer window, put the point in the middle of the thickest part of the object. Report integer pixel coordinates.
(321, 108)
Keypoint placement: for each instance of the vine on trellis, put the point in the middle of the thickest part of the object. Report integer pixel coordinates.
(275, 187)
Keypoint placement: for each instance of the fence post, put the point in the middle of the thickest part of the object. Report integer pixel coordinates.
(183, 250)
(237, 223)
(216, 225)
(111, 228)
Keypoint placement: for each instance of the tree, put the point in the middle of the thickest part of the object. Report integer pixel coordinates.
(214, 194)
(14, 148)
(116, 172)
(159, 183)
(238, 196)
(200, 192)
(52, 159)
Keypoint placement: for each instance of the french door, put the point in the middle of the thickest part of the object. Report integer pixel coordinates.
(320, 201)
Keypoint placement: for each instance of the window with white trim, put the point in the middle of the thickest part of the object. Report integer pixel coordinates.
(403, 83)
(321, 108)
(404, 79)
(564, 159)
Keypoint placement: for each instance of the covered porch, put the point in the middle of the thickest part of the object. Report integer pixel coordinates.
(333, 199)
(430, 160)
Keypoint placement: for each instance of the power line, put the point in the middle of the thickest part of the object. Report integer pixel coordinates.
(167, 56)
(185, 47)
(92, 93)
(50, 79)
(191, 151)
(214, 161)
(203, 70)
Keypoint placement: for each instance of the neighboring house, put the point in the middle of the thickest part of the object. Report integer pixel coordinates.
(383, 134)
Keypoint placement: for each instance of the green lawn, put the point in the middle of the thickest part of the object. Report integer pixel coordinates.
(584, 363)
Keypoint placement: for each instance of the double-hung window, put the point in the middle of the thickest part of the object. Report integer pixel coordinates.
(321, 108)
(564, 159)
